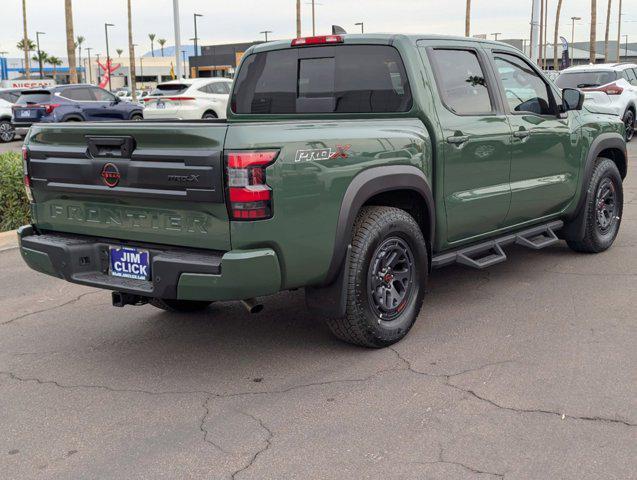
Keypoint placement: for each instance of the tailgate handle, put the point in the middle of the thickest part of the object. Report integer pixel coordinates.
(118, 147)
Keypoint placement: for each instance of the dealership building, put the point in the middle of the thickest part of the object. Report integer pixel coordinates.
(218, 60)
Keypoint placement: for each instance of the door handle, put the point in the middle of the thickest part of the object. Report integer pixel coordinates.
(522, 134)
(457, 139)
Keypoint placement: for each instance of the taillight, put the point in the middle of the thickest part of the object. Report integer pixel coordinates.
(179, 99)
(50, 107)
(610, 89)
(319, 40)
(25, 167)
(249, 196)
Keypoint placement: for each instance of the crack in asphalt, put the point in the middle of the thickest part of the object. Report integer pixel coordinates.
(562, 415)
(255, 456)
(69, 302)
(204, 430)
(448, 376)
(441, 460)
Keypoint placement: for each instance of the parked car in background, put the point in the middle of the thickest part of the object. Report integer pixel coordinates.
(7, 98)
(189, 99)
(70, 103)
(610, 84)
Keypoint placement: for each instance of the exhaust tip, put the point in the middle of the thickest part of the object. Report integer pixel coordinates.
(251, 305)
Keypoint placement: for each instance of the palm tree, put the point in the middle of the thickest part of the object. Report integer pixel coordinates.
(152, 42)
(593, 39)
(25, 41)
(70, 42)
(30, 45)
(131, 54)
(467, 20)
(610, 4)
(119, 52)
(162, 42)
(55, 62)
(40, 56)
(78, 44)
(556, 65)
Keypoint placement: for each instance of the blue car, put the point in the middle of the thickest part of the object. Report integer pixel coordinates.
(70, 103)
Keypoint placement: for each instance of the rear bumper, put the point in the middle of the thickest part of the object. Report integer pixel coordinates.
(22, 128)
(183, 274)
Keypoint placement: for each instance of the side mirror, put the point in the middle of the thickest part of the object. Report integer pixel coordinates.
(572, 99)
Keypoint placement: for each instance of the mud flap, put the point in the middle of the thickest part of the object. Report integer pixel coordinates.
(331, 300)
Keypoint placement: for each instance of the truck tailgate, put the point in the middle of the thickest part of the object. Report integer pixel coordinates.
(150, 182)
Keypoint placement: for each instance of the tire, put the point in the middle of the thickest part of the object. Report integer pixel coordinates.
(209, 116)
(7, 131)
(184, 306)
(388, 255)
(629, 122)
(137, 117)
(604, 207)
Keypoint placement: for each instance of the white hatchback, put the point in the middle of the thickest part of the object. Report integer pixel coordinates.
(189, 99)
(611, 85)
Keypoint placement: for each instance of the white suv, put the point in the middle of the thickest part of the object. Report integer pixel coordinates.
(189, 99)
(611, 84)
(7, 98)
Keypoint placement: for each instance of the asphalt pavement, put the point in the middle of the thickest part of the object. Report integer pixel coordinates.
(526, 370)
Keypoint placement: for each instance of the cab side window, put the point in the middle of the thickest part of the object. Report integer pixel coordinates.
(103, 95)
(216, 88)
(629, 73)
(525, 90)
(461, 82)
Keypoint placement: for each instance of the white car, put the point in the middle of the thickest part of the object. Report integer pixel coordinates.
(608, 84)
(7, 98)
(189, 99)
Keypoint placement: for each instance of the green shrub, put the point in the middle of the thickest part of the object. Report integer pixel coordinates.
(14, 205)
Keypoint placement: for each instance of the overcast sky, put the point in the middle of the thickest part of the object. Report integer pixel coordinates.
(228, 21)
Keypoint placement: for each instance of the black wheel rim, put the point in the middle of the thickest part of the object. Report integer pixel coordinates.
(629, 121)
(606, 205)
(6, 132)
(390, 278)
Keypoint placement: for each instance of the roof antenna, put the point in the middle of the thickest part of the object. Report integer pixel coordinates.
(337, 30)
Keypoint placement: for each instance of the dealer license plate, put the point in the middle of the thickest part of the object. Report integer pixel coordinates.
(129, 262)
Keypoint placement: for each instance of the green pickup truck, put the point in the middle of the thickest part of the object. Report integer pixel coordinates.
(351, 166)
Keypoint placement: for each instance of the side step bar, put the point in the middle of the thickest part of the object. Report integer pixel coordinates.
(489, 253)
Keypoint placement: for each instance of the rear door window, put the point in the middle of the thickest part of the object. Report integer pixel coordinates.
(461, 82)
(78, 94)
(329, 79)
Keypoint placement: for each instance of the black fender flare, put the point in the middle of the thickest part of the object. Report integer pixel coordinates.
(364, 186)
(576, 224)
(330, 298)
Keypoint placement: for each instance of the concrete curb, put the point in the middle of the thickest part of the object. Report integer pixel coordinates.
(8, 240)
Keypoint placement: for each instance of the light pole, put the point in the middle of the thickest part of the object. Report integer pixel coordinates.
(90, 70)
(265, 32)
(495, 35)
(108, 55)
(134, 45)
(196, 67)
(195, 15)
(183, 56)
(37, 41)
(177, 35)
(573, 19)
(361, 25)
(626, 46)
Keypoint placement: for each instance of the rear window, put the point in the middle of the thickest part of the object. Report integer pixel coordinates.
(334, 79)
(170, 89)
(10, 97)
(586, 79)
(34, 97)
